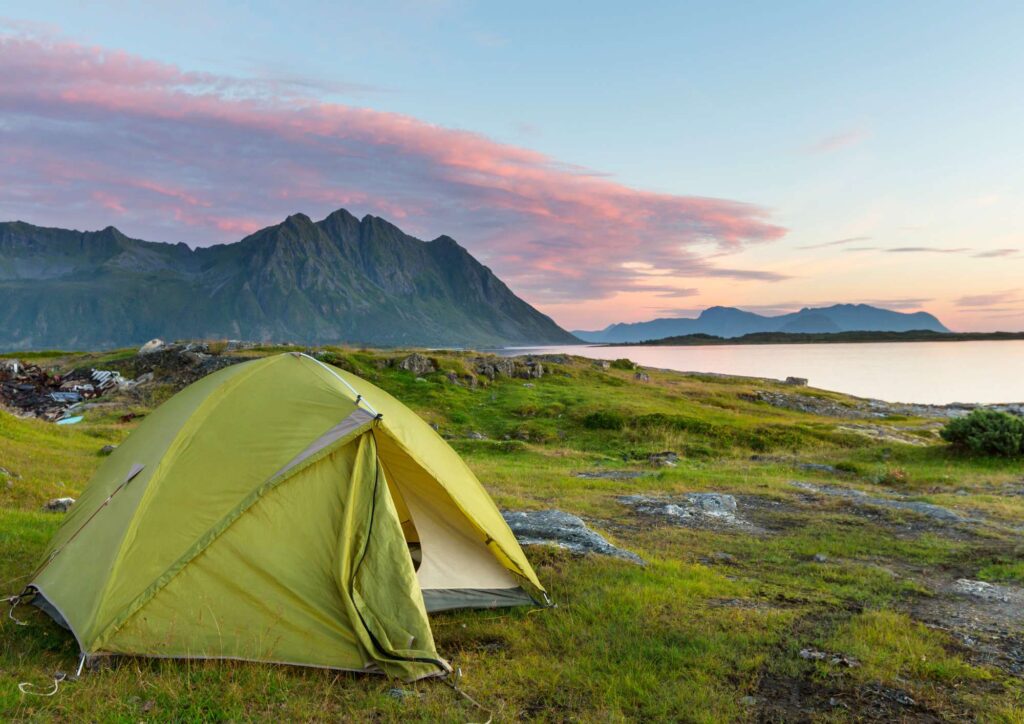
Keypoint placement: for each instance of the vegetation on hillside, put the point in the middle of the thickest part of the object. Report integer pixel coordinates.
(720, 624)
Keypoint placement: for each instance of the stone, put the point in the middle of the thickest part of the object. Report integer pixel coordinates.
(476, 436)
(820, 558)
(666, 459)
(723, 557)
(153, 345)
(641, 377)
(981, 589)
(555, 527)
(107, 449)
(417, 364)
(748, 700)
(796, 381)
(609, 474)
(861, 498)
(708, 509)
(59, 505)
(603, 364)
(401, 694)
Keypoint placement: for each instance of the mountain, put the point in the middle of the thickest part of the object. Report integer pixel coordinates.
(341, 279)
(731, 322)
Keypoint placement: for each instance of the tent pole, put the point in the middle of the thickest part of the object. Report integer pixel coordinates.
(359, 397)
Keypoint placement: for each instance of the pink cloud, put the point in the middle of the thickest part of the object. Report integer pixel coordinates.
(203, 158)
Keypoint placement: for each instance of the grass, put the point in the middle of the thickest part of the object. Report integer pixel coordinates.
(715, 616)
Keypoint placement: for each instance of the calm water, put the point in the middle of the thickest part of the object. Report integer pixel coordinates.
(924, 372)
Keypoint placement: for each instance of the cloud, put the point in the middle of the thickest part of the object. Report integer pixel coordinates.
(837, 242)
(996, 253)
(924, 250)
(92, 135)
(988, 300)
(837, 141)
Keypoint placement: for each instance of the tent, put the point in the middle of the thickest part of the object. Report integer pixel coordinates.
(280, 510)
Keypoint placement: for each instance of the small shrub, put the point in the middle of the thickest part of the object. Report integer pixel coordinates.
(604, 420)
(623, 364)
(986, 432)
(894, 476)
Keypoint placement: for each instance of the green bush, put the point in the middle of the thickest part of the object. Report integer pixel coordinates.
(986, 432)
(623, 364)
(604, 420)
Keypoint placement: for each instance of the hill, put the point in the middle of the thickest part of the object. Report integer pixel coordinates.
(917, 335)
(732, 322)
(341, 279)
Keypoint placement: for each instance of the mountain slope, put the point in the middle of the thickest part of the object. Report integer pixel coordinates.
(731, 322)
(341, 279)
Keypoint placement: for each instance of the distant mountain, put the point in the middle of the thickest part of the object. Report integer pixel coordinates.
(731, 322)
(341, 279)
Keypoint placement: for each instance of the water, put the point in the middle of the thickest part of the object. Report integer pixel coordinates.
(920, 372)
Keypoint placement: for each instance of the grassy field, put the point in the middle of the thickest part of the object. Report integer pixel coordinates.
(710, 629)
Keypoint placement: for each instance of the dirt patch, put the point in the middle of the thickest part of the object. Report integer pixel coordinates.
(986, 622)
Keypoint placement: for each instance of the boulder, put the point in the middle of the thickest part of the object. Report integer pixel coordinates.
(476, 436)
(417, 364)
(691, 509)
(58, 505)
(153, 345)
(796, 381)
(641, 377)
(555, 527)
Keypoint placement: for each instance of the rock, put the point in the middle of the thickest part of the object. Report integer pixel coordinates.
(476, 436)
(666, 459)
(641, 377)
(417, 364)
(820, 558)
(453, 378)
(723, 557)
(153, 345)
(748, 701)
(609, 474)
(58, 505)
(603, 364)
(981, 589)
(555, 527)
(528, 385)
(818, 468)
(531, 369)
(861, 498)
(401, 694)
(796, 381)
(107, 449)
(10, 367)
(435, 427)
(710, 509)
(421, 379)
(810, 654)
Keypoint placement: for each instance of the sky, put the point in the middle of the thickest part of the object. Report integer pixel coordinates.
(609, 161)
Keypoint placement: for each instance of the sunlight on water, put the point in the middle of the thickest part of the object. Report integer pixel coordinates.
(922, 372)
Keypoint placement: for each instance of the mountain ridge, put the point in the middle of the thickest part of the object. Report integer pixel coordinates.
(340, 279)
(731, 322)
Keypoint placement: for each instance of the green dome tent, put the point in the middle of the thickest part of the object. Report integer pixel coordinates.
(280, 510)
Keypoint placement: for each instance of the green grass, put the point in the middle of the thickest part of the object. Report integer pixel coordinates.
(684, 638)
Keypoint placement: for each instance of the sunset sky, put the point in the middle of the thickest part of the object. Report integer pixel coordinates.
(610, 161)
